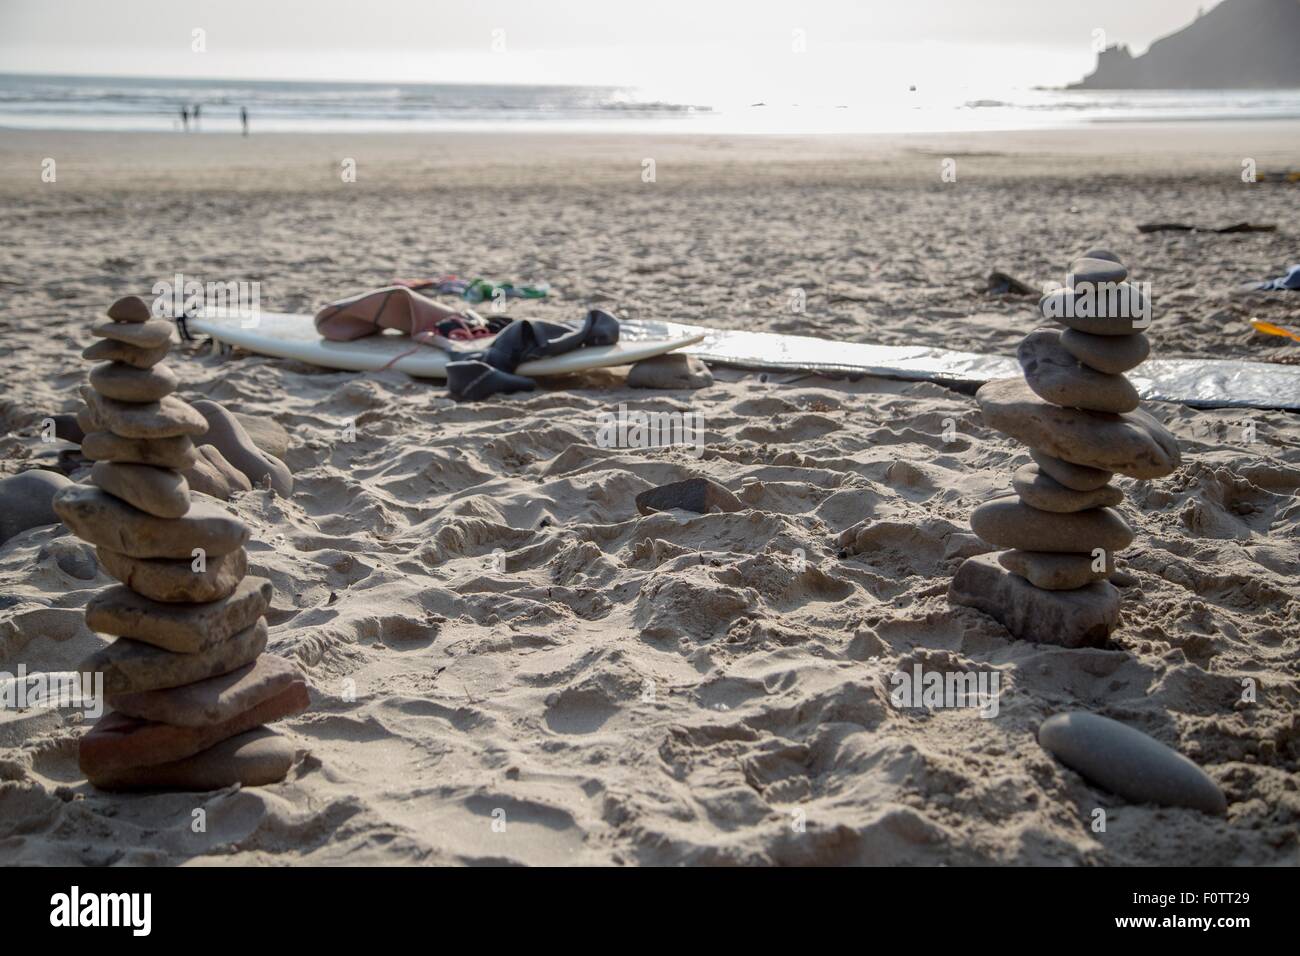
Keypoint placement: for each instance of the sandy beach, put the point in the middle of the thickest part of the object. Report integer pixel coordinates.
(491, 631)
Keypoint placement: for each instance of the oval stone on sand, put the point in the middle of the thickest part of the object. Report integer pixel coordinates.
(1083, 617)
(27, 501)
(1100, 254)
(1129, 763)
(228, 436)
(67, 428)
(118, 742)
(1009, 523)
(1078, 477)
(182, 628)
(1133, 444)
(1060, 378)
(212, 475)
(254, 758)
(145, 335)
(126, 383)
(177, 452)
(132, 666)
(1113, 354)
(106, 350)
(130, 308)
(1040, 490)
(214, 700)
(701, 495)
(670, 371)
(176, 582)
(1055, 572)
(1099, 310)
(1089, 271)
(266, 433)
(167, 418)
(162, 492)
(109, 522)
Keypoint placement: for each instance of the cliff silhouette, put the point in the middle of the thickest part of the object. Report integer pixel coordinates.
(1240, 44)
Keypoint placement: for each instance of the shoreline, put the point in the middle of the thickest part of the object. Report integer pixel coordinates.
(297, 161)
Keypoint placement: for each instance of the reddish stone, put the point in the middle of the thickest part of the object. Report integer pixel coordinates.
(118, 742)
(211, 701)
(253, 759)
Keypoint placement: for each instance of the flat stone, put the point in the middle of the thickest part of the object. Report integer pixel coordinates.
(1000, 283)
(670, 371)
(1055, 572)
(1100, 254)
(1129, 763)
(1058, 377)
(1133, 444)
(1078, 477)
(211, 701)
(266, 433)
(118, 742)
(1040, 490)
(27, 501)
(161, 492)
(1112, 354)
(1098, 310)
(107, 350)
(1083, 617)
(130, 308)
(145, 335)
(212, 475)
(126, 383)
(700, 495)
(227, 435)
(166, 418)
(130, 667)
(255, 758)
(176, 582)
(1010, 523)
(177, 452)
(109, 522)
(1090, 271)
(180, 628)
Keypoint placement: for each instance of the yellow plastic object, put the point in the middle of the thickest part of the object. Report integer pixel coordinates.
(1268, 328)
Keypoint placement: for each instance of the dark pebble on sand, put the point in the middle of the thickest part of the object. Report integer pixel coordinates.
(1129, 763)
(701, 495)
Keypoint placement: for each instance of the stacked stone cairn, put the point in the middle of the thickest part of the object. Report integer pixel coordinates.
(1079, 416)
(188, 687)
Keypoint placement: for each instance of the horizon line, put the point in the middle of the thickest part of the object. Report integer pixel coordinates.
(265, 79)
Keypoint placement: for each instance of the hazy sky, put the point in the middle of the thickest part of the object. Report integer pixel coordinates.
(675, 45)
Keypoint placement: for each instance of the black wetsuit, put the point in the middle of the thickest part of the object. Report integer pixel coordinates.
(485, 373)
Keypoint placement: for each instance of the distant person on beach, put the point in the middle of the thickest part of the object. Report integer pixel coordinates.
(185, 119)
(243, 119)
(196, 115)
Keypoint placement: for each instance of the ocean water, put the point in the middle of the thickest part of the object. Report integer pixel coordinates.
(115, 103)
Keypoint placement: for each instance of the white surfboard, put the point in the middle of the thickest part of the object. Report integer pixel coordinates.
(292, 336)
